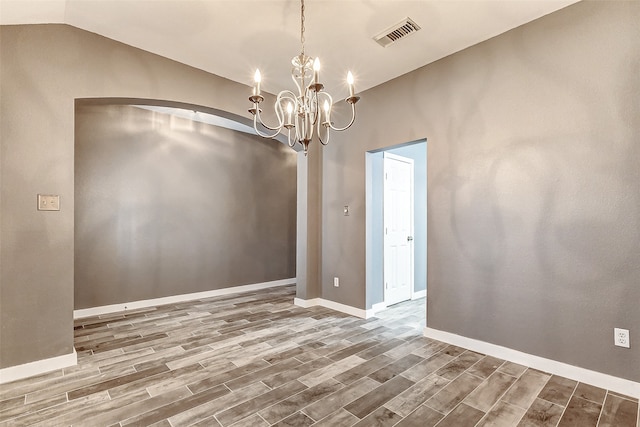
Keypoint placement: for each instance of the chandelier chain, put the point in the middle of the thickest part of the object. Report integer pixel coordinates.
(302, 26)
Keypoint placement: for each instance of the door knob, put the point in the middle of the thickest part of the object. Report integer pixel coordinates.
(409, 238)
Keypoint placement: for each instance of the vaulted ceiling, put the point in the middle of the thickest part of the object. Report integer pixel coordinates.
(231, 38)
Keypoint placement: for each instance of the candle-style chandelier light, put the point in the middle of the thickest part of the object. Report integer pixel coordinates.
(307, 110)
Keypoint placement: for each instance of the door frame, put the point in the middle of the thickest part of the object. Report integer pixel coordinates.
(374, 298)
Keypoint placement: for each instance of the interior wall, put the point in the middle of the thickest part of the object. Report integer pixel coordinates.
(533, 186)
(166, 206)
(44, 68)
(309, 207)
(375, 285)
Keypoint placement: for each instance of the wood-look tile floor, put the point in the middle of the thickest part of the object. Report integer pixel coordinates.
(254, 359)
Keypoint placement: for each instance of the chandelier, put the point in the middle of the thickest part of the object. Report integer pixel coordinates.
(310, 109)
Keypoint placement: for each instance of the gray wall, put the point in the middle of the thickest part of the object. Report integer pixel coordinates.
(44, 68)
(533, 186)
(309, 220)
(166, 206)
(417, 152)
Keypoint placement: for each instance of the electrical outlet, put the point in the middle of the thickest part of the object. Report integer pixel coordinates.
(336, 282)
(621, 337)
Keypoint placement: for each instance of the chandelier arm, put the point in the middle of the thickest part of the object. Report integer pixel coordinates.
(323, 142)
(308, 126)
(257, 119)
(282, 96)
(262, 134)
(327, 98)
(301, 129)
(290, 142)
(353, 119)
(287, 95)
(316, 100)
(327, 116)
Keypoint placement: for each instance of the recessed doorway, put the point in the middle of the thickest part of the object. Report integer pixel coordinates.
(410, 236)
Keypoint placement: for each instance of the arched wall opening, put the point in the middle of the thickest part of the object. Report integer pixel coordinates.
(167, 203)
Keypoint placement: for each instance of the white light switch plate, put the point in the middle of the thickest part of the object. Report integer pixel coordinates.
(48, 202)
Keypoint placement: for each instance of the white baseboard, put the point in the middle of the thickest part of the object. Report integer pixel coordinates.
(38, 367)
(343, 308)
(587, 376)
(382, 306)
(113, 308)
(419, 294)
(377, 308)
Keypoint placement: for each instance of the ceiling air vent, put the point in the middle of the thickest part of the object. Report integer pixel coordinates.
(396, 32)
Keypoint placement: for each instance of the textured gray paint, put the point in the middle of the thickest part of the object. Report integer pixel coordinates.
(533, 186)
(309, 201)
(168, 206)
(301, 228)
(44, 68)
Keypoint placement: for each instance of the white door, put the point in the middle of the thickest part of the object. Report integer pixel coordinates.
(398, 228)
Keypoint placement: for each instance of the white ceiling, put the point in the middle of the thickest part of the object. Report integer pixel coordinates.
(231, 38)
